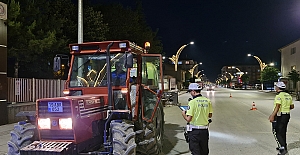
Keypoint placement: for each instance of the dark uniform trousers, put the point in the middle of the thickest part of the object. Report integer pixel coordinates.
(198, 143)
(280, 128)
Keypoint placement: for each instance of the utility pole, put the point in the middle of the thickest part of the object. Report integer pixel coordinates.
(80, 23)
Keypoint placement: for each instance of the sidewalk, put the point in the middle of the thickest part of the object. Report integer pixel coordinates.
(5, 136)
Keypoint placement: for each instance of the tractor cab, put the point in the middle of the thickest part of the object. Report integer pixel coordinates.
(129, 66)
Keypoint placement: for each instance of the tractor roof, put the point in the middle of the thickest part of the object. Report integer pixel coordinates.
(118, 46)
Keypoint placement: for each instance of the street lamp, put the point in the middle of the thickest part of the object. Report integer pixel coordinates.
(240, 72)
(261, 64)
(193, 68)
(175, 58)
(197, 74)
(231, 76)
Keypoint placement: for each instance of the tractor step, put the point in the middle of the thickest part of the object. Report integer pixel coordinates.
(47, 148)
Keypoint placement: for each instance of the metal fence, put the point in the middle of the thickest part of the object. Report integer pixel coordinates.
(28, 90)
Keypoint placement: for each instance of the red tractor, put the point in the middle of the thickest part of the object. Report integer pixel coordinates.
(112, 105)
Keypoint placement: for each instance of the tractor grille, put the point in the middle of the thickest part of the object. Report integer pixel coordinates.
(55, 134)
(47, 148)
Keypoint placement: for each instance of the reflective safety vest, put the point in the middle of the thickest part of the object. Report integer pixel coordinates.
(199, 108)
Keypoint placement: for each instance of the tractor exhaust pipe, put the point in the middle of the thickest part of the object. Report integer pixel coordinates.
(109, 84)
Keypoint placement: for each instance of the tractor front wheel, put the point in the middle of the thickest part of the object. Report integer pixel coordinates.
(152, 137)
(123, 138)
(22, 135)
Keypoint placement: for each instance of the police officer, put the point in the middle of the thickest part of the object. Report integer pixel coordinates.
(280, 116)
(198, 113)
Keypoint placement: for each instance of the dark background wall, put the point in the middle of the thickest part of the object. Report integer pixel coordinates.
(3, 60)
(3, 65)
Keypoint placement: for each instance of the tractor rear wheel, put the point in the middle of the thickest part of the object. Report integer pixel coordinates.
(22, 135)
(153, 134)
(123, 137)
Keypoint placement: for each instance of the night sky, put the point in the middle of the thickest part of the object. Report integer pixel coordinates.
(224, 31)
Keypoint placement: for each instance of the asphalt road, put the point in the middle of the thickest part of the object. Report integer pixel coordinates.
(235, 130)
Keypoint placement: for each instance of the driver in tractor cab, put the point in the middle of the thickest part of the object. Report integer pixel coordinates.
(119, 75)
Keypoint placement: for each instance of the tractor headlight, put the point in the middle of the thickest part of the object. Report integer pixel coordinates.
(65, 123)
(44, 123)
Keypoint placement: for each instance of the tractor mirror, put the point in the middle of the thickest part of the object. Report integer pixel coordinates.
(129, 60)
(56, 64)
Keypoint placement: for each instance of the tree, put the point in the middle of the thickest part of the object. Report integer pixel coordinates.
(228, 81)
(269, 75)
(38, 30)
(295, 77)
(29, 39)
(44, 29)
(245, 78)
(129, 24)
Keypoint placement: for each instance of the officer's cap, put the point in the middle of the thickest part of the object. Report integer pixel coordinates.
(194, 86)
(280, 85)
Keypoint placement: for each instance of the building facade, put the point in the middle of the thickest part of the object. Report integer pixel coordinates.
(290, 56)
(234, 72)
(182, 75)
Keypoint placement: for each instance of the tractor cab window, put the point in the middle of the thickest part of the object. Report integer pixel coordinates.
(150, 72)
(118, 73)
(150, 81)
(90, 70)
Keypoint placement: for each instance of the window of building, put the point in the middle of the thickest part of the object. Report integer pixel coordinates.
(293, 50)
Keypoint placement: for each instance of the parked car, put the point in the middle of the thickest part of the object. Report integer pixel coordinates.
(257, 86)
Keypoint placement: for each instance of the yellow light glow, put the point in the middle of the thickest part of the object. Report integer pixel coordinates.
(65, 123)
(44, 123)
(66, 92)
(147, 45)
(124, 90)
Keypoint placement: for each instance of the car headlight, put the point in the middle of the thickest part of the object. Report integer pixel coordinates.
(65, 123)
(44, 123)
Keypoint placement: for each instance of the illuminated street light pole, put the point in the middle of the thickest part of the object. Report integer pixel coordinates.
(226, 78)
(262, 67)
(193, 68)
(261, 64)
(201, 77)
(175, 58)
(241, 73)
(231, 76)
(197, 74)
